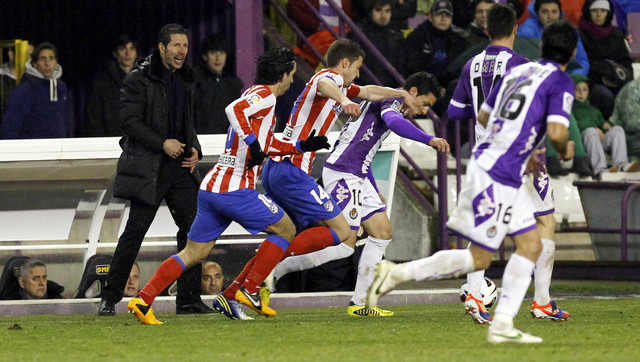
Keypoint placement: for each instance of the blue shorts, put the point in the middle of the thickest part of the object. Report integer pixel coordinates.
(306, 202)
(254, 211)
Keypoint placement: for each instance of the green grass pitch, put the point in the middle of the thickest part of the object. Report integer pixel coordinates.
(599, 329)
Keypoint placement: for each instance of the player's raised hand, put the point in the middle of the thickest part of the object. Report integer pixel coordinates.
(314, 143)
(257, 156)
(440, 144)
(351, 108)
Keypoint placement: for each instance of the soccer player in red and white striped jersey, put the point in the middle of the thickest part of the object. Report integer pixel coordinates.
(228, 194)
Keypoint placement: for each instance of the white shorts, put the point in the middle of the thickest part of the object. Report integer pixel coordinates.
(488, 211)
(356, 196)
(540, 191)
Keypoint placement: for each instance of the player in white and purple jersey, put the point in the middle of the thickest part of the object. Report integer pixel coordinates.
(478, 77)
(347, 178)
(530, 100)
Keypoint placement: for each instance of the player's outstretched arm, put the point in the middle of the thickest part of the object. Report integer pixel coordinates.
(330, 89)
(313, 143)
(376, 93)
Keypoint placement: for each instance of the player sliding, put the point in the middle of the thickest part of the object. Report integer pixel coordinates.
(530, 100)
(228, 193)
(347, 177)
(477, 79)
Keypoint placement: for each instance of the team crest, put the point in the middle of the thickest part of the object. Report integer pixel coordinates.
(396, 106)
(273, 208)
(492, 232)
(353, 214)
(253, 99)
(328, 206)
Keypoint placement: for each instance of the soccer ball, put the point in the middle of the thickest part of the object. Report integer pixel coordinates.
(488, 290)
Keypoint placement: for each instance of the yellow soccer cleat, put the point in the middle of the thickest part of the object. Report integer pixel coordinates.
(362, 311)
(255, 302)
(142, 311)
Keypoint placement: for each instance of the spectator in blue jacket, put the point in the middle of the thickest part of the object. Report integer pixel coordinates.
(541, 13)
(38, 105)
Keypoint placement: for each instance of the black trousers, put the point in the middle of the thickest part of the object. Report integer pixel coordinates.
(179, 189)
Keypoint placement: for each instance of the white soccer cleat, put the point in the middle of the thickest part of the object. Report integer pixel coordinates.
(270, 282)
(382, 284)
(511, 335)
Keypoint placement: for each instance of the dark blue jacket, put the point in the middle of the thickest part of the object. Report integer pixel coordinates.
(32, 113)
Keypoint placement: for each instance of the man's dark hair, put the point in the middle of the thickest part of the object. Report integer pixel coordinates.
(164, 36)
(122, 40)
(425, 83)
(343, 48)
(28, 264)
(274, 64)
(559, 40)
(539, 3)
(380, 3)
(474, 4)
(214, 42)
(40, 47)
(501, 20)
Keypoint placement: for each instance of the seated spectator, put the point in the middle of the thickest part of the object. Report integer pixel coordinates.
(133, 283)
(33, 282)
(212, 278)
(599, 136)
(216, 86)
(626, 114)
(103, 104)
(580, 163)
(387, 40)
(401, 12)
(475, 32)
(38, 105)
(433, 44)
(542, 13)
(607, 52)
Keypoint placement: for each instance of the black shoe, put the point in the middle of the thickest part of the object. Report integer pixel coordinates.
(107, 308)
(194, 308)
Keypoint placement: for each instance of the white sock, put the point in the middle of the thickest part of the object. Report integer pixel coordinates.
(515, 282)
(474, 283)
(371, 255)
(441, 265)
(312, 260)
(542, 272)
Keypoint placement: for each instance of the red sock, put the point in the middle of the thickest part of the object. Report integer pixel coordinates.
(269, 255)
(167, 273)
(230, 292)
(311, 240)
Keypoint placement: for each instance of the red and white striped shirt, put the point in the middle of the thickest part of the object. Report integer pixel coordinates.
(313, 111)
(250, 116)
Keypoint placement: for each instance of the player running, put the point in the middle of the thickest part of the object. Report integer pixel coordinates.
(530, 100)
(347, 178)
(478, 77)
(228, 193)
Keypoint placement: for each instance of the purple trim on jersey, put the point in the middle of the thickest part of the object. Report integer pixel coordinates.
(278, 241)
(250, 138)
(522, 231)
(182, 264)
(483, 206)
(474, 242)
(372, 180)
(382, 209)
(542, 213)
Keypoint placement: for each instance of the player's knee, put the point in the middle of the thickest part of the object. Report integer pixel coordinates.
(385, 234)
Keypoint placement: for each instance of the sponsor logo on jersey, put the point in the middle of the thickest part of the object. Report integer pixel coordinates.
(273, 208)
(102, 269)
(567, 102)
(341, 192)
(492, 231)
(288, 131)
(353, 214)
(328, 206)
(227, 160)
(367, 134)
(396, 106)
(253, 99)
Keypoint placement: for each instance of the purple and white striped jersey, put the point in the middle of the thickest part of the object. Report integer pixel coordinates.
(478, 78)
(361, 138)
(527, 98)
